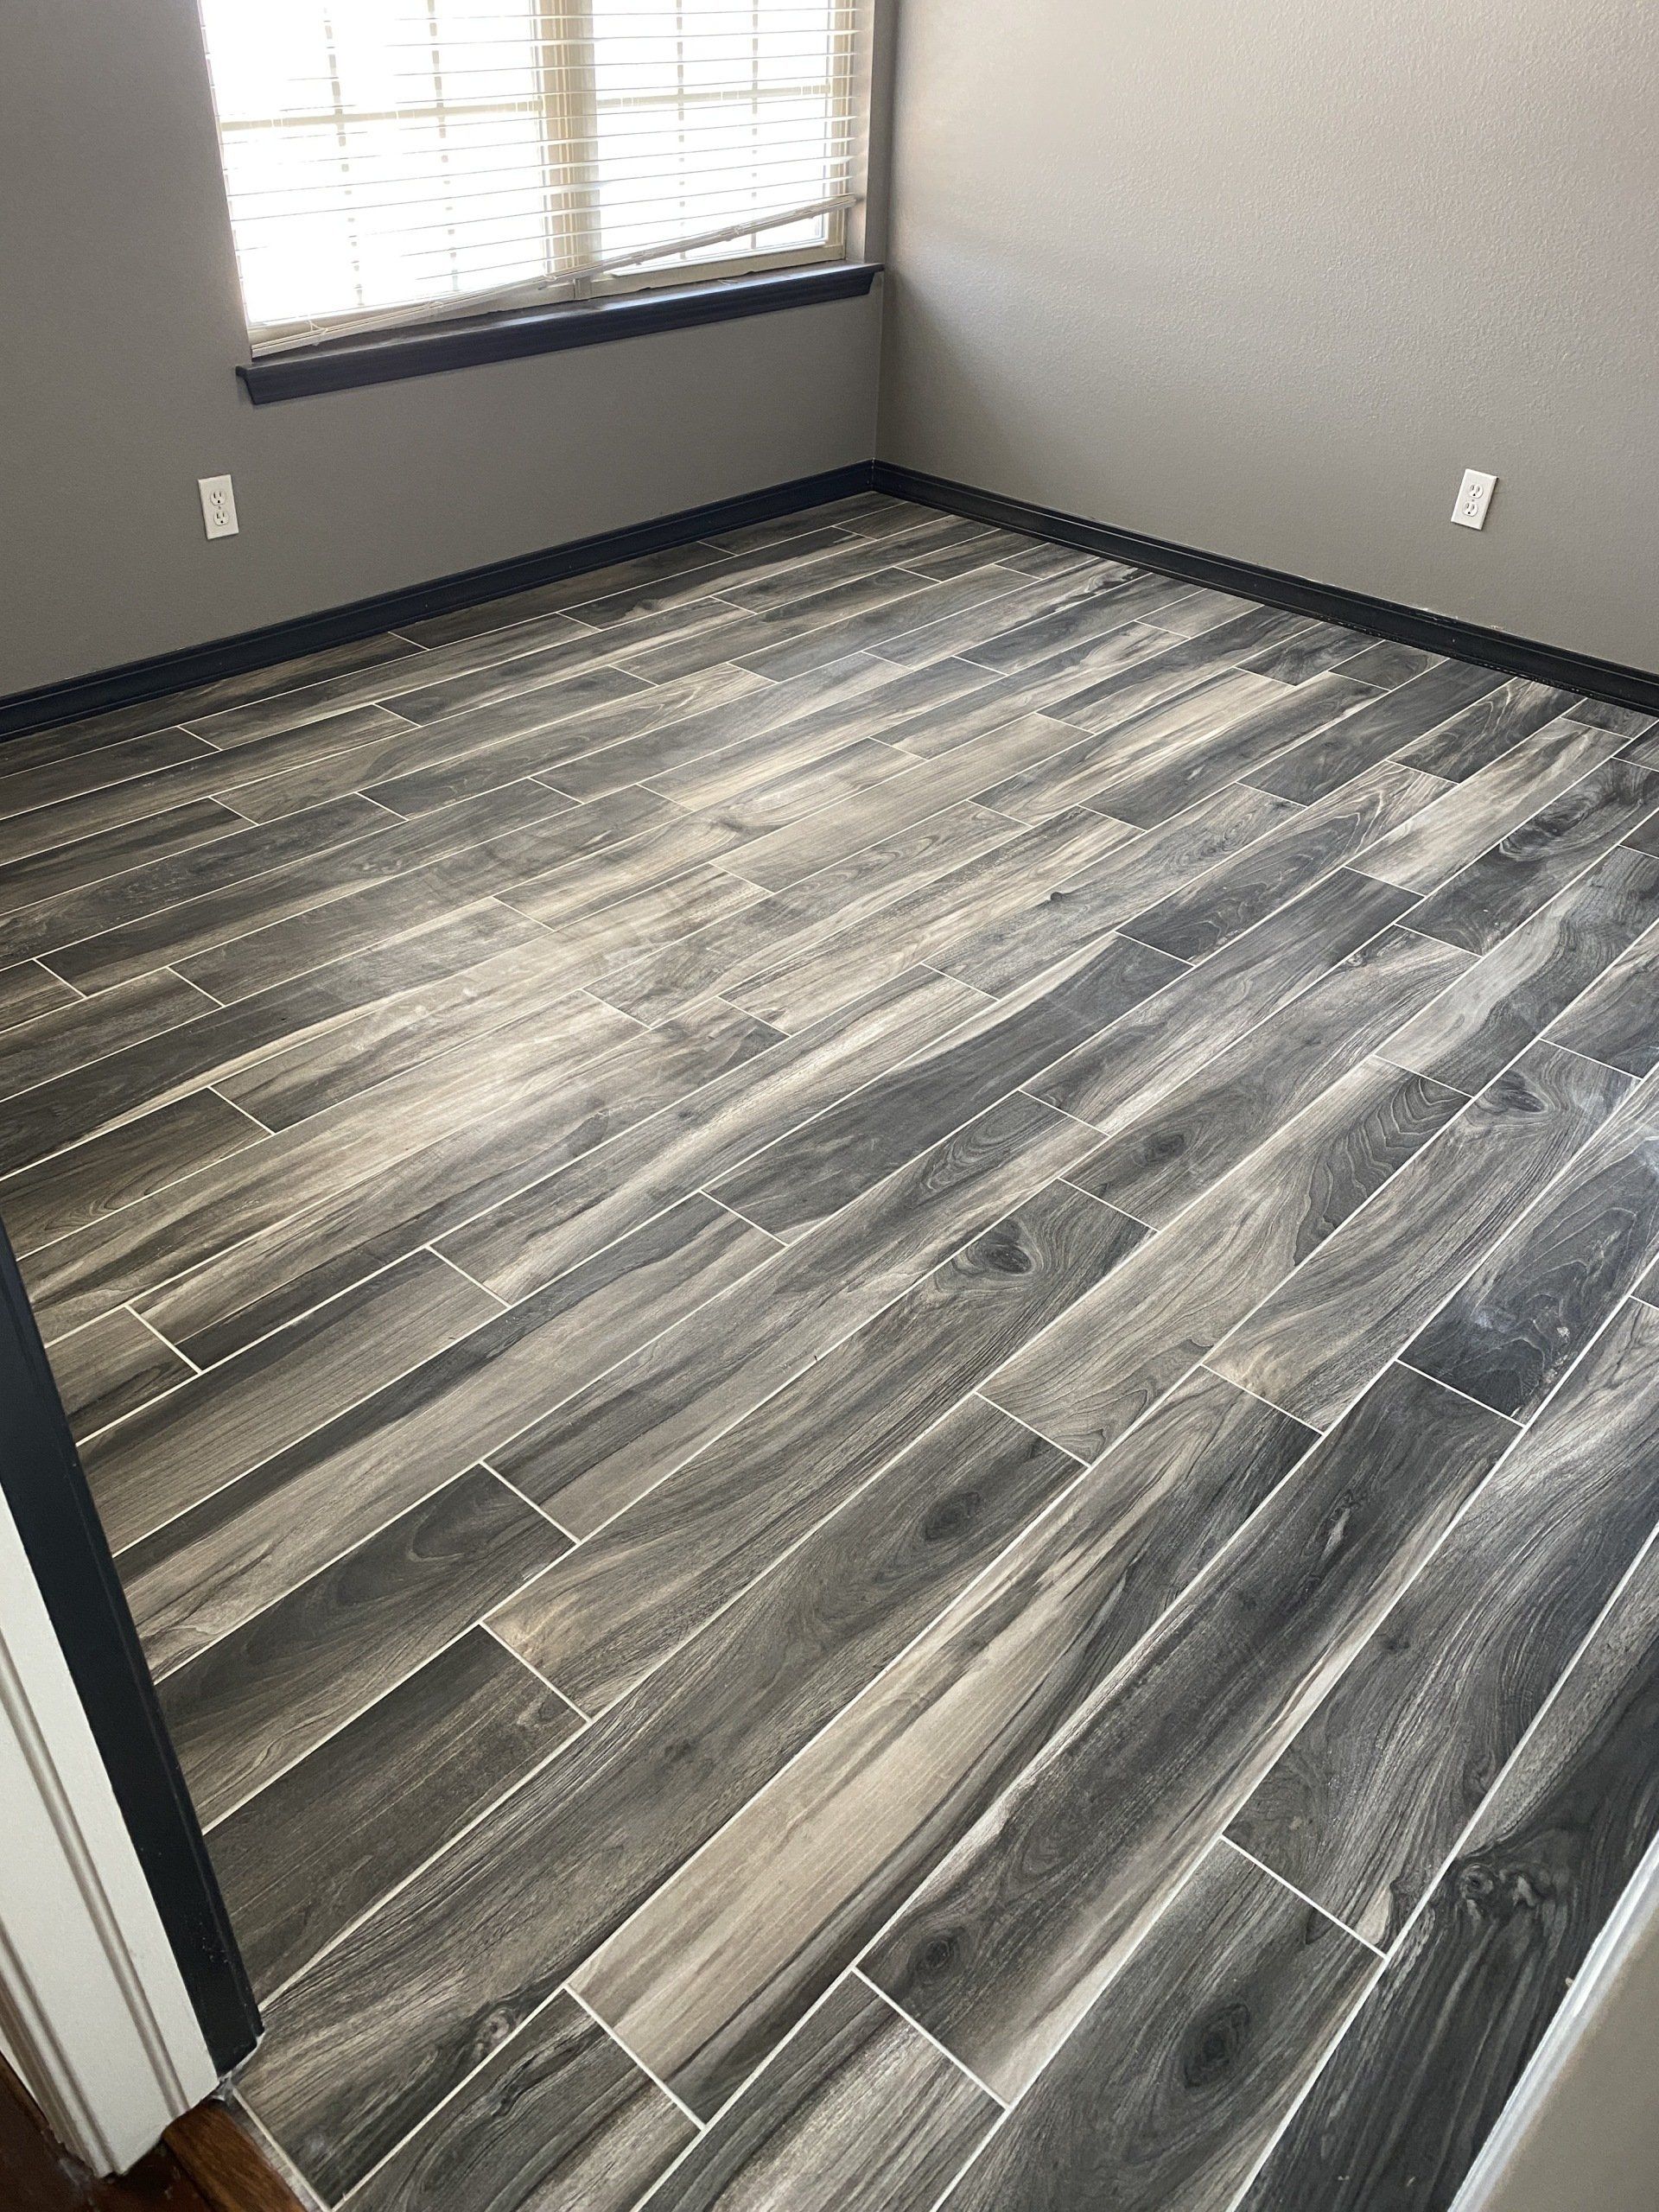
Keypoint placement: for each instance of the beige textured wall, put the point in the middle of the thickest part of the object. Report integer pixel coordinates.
(120, 325)
(1263, 277)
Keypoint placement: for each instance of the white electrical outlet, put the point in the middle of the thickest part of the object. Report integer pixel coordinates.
(218, 506)
(1473, 499)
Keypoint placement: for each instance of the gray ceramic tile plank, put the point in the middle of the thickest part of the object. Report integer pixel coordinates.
(1322, 1335)
(532, 1890)
(27, 991)
(110, 1367)
(574, 1212)
(560, 2115)
(83, 1030)
(354, 1215)
(1169, 2091)
(72, 774)
(1387, 663)
(552, 598)
(1602, 713)
(1414, 2087)
(1156, 787)
(1615, 1019)
(1006, 953)
(218, 1425)
(91, 1181)
(1023, 870)
(1364, 1805)
(208, 1573)
(964, 772)
(1497, 893)
(1005, 598)
(820, 626)
(857, 2113)
(1488, 728)
(1114, 1354)
(1517, 1323)
(1126, 1070)
(1198, 920)
(1387, 725)
(247, 1708)
(1155, 736)
(1486, 805)
(806, 1177)
(1158, 1162)
(848, 899)
(317, 1848)
(702, 1983)
(661, 1570)
(781, 573)
(1517, 991)
(1089, 608)
(1009, 1943)
(234, 855)
(87, 861)
(604, 1447)
(1314, 649)
(769, 804)
(162, 1237)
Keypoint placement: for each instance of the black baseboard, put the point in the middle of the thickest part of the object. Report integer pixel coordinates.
(139, 680)
(1383, 618)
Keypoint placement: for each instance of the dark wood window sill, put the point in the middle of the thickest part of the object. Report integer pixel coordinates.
(337, 364)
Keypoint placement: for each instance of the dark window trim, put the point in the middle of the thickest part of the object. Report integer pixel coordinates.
(340, 364)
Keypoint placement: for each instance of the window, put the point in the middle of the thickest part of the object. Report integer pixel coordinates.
(391, 160)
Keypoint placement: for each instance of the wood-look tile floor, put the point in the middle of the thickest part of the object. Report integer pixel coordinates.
(865, 1315)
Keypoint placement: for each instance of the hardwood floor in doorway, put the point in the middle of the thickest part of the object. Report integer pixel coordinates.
(866, 1317)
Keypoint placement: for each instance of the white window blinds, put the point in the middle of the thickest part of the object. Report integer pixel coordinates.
(392, 160)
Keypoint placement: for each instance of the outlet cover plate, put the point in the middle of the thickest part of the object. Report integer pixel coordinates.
(1474, 497)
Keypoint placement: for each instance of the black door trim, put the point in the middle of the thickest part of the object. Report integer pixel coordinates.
(41, 1477)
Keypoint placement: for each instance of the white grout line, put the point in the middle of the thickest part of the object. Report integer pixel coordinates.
(1323, 1912)
(725, 1206)
(857, 1973)
(604, 2026)
(502, 1304)
(528, 1666)
(542, 1514)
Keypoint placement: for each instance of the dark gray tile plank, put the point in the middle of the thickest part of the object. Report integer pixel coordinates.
(1169, 2090)
(559, 2116)
(849, 900)
(1116, 1353)
(552, 598)
(1617, 1018)
(218, 1425)
(162, 1237)
(67, 912)
(72, 774)
(1497, 893)
(1399, 2112)
(1009, 1943)
(109, 1368)
(1156, 736)
(1000, 955)
(658, 1572)
(768, 575)
(1314, 649)
(857, 2113)
(1364, 1804)
(27, 991)
(87, 861)
(1321, 1336)
(1158, 1162)
(819, 628)
(1089, 607)
(577, 1210)
(1387, 663)
(210, 1571)
(374, 853)
(1602, 713)
(1158, 787)
(1133, 1064)
(93, 1180)
(603, 1448)
(322, 1846)
(805, 1177)
(83, 1030)
(702, 1984)
(1388, 725)
(1021, 870)
(1488, 804)
(964, 772)
(1194, 922)
(245, 1708)
(985, 605)
(1520, 1320)
(1488, 728)
(356, 1214)
(537, 1884)
(1517, 989)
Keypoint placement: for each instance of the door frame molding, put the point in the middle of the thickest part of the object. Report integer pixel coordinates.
(122, 1995)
